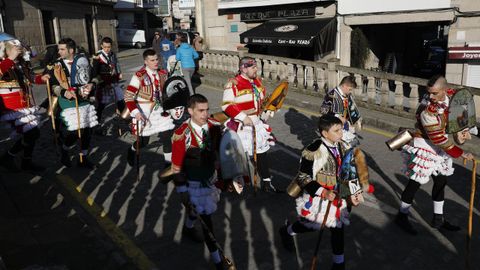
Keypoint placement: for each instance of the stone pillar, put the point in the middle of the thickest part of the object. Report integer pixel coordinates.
(300, 76)
(321, 78)
(371, 90)
(398, 95)
(384, 93)
(345, 40)
(266, 69)
(259, 66)
(359, 89)
(309, 76)
(290, 73)
(332, 73)
(413, 97)
(273, 70)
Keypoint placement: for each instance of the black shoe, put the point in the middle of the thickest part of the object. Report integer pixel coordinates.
(193, 234)
(287, 239)
(130, 156)
(269, 188)
(86, 163)
(8, 162)
(100, 132)
(219, 266)
(29, 166)
(402, 221)
(338, 266)
(439, 222)
(65, 159)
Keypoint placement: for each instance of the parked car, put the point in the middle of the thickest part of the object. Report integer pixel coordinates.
(131, 38)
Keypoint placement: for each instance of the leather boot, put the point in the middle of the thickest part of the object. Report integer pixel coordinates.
(402, 221)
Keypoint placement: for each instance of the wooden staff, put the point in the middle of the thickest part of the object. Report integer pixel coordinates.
(79, 132)
(226, 260)
(254, 150)
(317, 246)
(138, 138)
(137, 152)
(470, 211)
(52, 115)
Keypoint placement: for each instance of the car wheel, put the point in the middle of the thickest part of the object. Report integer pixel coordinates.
(138, 45)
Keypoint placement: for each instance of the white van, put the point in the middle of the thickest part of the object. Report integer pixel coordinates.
(131, 37)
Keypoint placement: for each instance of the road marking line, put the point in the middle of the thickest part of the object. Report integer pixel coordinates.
(106, 224)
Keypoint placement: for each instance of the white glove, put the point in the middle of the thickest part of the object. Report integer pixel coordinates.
(266, 115)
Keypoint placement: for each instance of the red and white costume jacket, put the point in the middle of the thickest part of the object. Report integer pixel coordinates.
(194, 153)
(432, 149)
(244, 97)
(144, 95)
(15, 104)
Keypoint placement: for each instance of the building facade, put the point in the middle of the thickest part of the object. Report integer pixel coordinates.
(244, 23)
(40, 23)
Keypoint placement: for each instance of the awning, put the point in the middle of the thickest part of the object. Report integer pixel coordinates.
(298, 33)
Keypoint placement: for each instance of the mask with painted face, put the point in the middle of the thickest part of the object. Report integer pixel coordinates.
(177, 112)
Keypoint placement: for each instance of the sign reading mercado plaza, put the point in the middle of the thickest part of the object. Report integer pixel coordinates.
(280, 13)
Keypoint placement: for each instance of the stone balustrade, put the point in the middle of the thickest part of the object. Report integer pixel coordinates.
(396, 94)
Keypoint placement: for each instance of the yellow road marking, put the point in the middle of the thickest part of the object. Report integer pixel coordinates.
(107, 225)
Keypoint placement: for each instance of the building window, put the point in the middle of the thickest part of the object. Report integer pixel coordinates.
(48, 29)
(233, 28)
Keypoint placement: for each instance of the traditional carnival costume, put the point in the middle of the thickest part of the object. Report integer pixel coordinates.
(320, 171)
(429, 154)
(144, 95)
(74, 76)
(341, 105)
(17, 111)
(107, 68)
(244, 97)
(194, 154)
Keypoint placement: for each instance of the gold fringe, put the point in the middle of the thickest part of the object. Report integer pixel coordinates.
(177, 137)
(362, 167)
(309, 155)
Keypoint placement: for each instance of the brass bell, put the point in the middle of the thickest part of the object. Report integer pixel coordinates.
(294, 189)
(166, 175)
(125, 114)
(229, 265)
(399, 140)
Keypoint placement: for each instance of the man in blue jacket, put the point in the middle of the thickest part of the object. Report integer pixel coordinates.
(187, 55)
(167, 49)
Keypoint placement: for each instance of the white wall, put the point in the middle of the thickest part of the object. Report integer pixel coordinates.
(371, 6)
(258, 3)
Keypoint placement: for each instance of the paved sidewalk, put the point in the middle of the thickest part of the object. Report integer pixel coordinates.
(38, 232)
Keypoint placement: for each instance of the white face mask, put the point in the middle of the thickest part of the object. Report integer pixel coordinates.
(177, 112)
(26, 56)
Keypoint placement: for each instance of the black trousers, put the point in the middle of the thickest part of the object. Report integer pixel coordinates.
(438, 190)
(209, 239)
(26, 143)
(71, 137)
(336, 238)
(263, 167)
(101, 106)
(165, 138)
